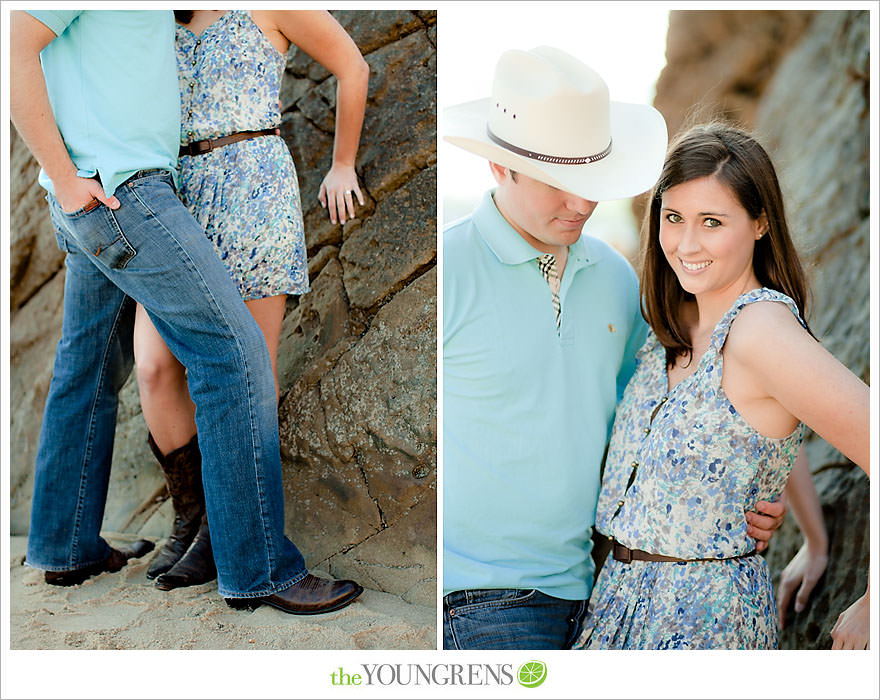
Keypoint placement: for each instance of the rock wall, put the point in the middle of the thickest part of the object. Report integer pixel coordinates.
(719, 63)
(800, 81)
(722, 62)
(357, 360)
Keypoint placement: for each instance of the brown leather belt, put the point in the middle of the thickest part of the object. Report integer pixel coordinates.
(198, 148)
(624, 554)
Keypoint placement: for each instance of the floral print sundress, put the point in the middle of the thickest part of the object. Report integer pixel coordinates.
(244, 194)
(697, 466)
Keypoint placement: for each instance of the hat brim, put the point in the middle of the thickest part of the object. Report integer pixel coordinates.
(638, 137)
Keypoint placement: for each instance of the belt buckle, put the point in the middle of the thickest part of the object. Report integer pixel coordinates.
(621, 553)
(203, 146)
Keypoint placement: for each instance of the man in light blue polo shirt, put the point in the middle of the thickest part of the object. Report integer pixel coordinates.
(540, 330)
(94, 95)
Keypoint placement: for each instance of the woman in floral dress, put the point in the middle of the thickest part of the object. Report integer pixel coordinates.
(713, 417)
(238, 180)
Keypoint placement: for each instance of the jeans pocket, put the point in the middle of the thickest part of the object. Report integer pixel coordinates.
(497, 619)
(85, 209)
(142, 187)
(61, 241)
(495, 599)
(95, 231)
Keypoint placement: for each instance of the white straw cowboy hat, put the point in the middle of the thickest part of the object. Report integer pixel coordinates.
(549, 117)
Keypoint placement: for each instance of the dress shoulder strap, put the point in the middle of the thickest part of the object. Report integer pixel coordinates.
(719, 335)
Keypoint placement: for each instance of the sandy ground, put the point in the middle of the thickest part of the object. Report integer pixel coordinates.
(123, 610)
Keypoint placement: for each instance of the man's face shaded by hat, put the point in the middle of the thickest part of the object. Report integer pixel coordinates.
(547, 218)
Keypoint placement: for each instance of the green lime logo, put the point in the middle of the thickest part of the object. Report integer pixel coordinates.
(532, 673)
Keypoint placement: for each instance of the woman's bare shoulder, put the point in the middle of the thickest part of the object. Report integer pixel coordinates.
(765, 328)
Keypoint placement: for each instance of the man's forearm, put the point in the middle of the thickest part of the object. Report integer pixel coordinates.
(32, 115)
(29, 104)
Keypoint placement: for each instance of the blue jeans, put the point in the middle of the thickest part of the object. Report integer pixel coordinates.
(510, 619)
(152, 251)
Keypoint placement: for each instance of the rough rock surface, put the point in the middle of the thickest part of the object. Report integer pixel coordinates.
(722, 62)
(844, 493)
(753, 67)
(358, 353)
(827, 190)
(719, 63)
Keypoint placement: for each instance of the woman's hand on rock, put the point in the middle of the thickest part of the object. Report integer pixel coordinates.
(337, 193)
(852, 629)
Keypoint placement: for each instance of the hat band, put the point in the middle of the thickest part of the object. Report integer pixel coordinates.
(543, 157)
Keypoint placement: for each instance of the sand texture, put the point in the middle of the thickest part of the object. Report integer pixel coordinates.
(124, 610)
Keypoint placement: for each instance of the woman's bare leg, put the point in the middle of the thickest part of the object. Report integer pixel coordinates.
(168, 410)
(269, 313)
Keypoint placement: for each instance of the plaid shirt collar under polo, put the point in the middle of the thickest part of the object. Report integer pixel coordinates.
(547, 266)
(511, 249)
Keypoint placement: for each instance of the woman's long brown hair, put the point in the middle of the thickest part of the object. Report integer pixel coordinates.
(739, 162)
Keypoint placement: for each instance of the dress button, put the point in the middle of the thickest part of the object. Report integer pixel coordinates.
(647, 430)
(194, 61)
(620, 503)
(635, 464)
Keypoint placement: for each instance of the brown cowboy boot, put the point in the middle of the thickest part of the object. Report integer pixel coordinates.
(183, 473)
(196, 566)
(309, 596)
(117, 558)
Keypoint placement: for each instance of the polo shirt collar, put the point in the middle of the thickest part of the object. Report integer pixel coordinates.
(511, 249)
